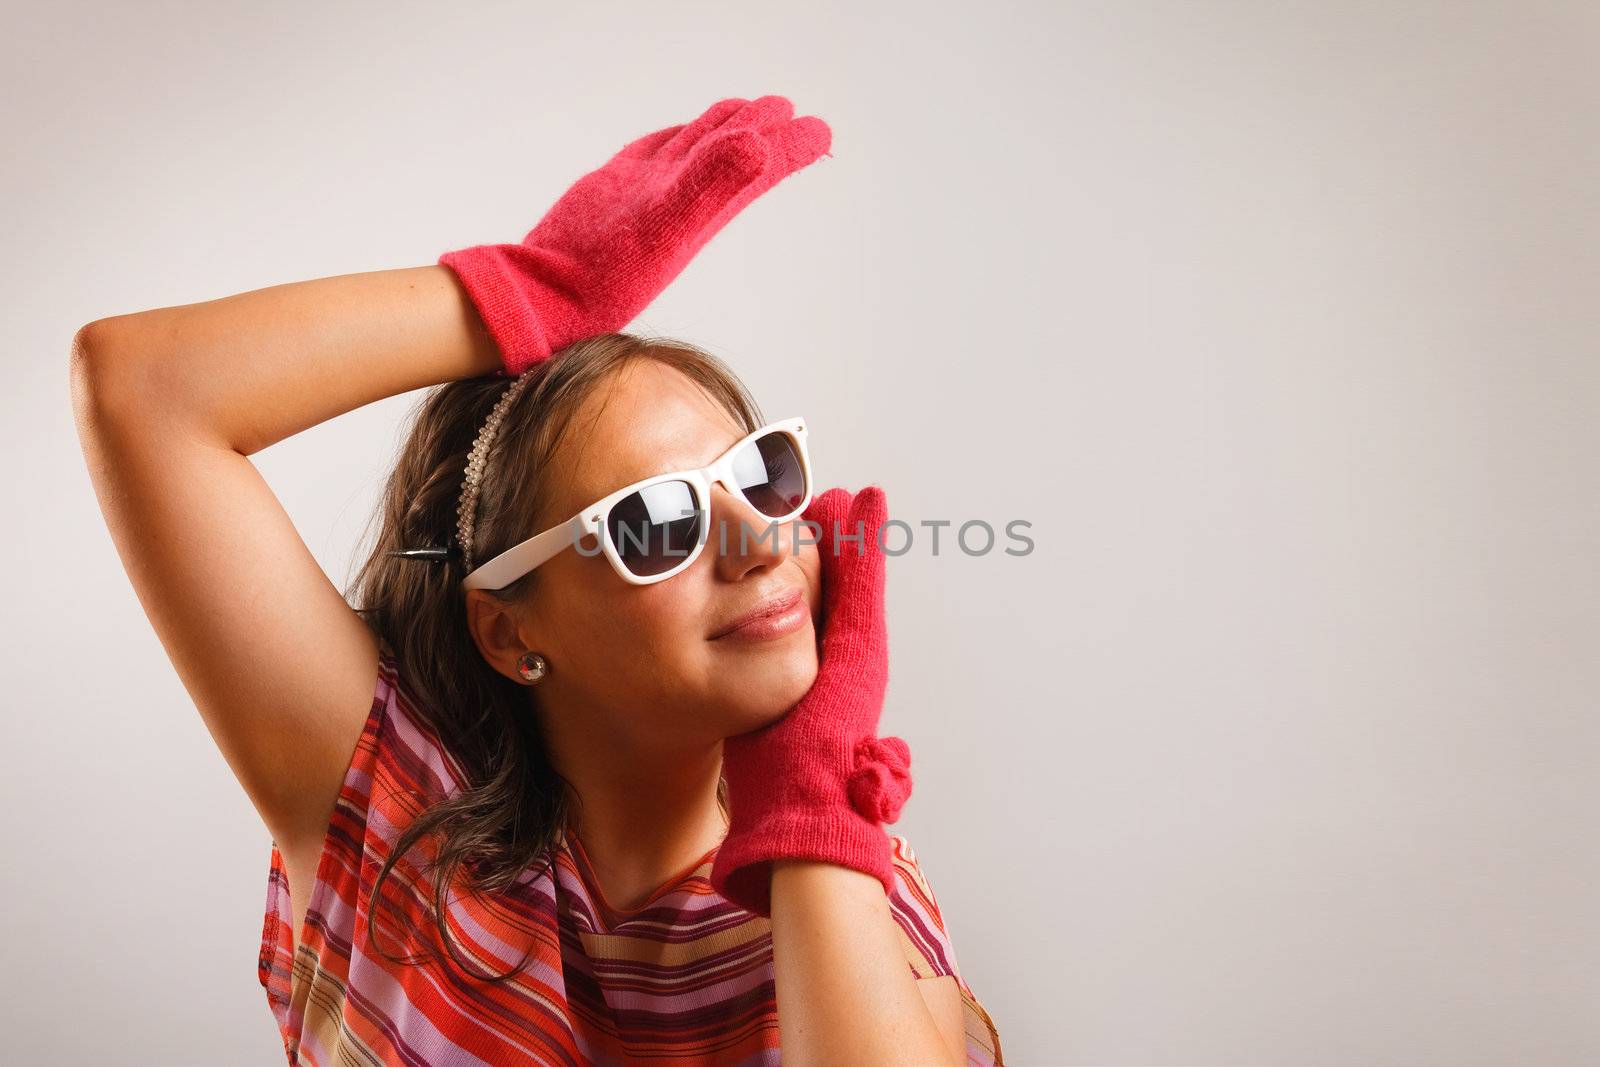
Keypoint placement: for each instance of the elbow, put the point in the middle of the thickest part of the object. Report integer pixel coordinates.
(101, 374)
(94, 342)
(86, 376)
(89, 345)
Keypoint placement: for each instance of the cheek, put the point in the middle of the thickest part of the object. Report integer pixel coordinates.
(811, 565)
(624, 635)
(654, 622)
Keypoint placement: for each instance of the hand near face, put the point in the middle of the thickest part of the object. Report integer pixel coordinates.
(818, 783)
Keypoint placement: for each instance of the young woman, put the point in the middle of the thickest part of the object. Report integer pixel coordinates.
(585, 769)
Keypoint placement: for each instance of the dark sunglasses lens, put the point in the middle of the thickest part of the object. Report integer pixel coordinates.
(771, 474)
(656, 528)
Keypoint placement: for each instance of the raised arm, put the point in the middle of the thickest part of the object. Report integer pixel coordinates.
(170, 404)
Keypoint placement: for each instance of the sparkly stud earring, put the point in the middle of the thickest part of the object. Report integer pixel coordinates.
(532, 667)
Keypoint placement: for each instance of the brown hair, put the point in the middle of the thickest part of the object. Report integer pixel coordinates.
(513, 806)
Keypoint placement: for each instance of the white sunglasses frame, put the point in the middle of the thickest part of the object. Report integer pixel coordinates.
(523, 557)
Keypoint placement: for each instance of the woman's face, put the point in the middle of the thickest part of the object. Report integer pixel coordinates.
(643, 661)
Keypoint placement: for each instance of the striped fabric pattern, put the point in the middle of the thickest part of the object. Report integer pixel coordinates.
(686, 978)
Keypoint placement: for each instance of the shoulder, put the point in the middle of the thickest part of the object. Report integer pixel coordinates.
(401, 758)
(930, 949)
(911, 880)
(916, 909)
(398, 767)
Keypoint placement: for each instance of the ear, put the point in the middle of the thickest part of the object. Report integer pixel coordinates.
(496, 630)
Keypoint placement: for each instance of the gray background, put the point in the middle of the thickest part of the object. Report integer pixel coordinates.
(1277, 321)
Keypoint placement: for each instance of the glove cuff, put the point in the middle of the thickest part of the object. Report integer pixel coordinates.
(840, 823)
(506, 300)
(742, 869)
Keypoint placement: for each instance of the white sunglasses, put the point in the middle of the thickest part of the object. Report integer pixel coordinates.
(655, 528)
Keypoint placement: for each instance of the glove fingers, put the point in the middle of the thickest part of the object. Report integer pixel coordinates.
(796, 142)
(831, 511)
(763, 114)
(803, 142)
(648, 145)
(692, 133)
(854, 564)
(849, 555)
(714, 185)
(855, 636)
(830, 502)
(824, 509)
(828, 511)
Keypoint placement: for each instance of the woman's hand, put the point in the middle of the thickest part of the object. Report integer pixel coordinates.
(818, 783)
(621, 234)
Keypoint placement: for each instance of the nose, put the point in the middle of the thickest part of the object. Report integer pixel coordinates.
(742, 538)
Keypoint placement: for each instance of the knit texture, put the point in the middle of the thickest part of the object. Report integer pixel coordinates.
(619, 235)
(818, 784)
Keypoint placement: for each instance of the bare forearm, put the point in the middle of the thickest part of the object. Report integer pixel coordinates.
(845, 993)
(260, 366)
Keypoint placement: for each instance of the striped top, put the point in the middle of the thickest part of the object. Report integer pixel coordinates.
(687, 977)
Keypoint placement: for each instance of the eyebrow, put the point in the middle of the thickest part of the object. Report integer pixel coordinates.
(658, 468)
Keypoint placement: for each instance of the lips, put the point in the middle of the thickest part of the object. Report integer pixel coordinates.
(776, 605)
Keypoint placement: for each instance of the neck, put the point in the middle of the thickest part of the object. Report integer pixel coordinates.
(644, 812)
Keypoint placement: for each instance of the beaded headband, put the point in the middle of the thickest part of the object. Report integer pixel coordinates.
(472, 479)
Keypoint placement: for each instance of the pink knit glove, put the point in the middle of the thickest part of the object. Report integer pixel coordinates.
(619, 235)
(817, 784)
